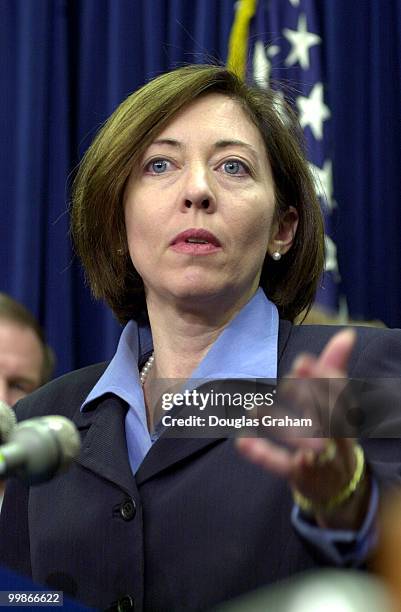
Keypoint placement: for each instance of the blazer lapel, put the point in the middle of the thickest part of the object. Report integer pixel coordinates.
(104, 447)
(168, 451)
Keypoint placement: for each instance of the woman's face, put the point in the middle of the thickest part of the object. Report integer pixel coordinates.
(199, 211)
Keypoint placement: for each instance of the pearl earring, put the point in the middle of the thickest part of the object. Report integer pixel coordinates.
(276, 256)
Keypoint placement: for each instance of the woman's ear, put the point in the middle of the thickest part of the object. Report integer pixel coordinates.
(283, 233)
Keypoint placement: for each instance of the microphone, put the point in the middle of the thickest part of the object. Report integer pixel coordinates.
(8, 421)
(313, 591)
(38, 448)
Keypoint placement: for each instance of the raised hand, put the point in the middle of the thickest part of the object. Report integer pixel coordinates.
(322, 472)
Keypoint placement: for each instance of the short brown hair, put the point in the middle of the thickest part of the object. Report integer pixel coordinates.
(98, 226)
(11, 310)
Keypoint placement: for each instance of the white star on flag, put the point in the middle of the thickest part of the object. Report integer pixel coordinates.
(313, 111)
(323, 178)
(294, 2)
(331, 263)
(272, 50)
(261, 63)
(301, 40)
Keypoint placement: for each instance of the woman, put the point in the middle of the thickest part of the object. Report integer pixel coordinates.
(196, 219)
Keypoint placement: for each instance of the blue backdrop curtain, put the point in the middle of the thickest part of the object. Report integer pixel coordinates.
(363, 74)
(66, 64)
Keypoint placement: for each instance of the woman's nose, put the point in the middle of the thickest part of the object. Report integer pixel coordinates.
(198, 190)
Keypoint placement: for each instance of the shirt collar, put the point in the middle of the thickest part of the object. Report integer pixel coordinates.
(121, 376)
(246, 348)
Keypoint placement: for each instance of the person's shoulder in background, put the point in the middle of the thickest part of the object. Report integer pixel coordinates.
(62, 396)
(319, 315)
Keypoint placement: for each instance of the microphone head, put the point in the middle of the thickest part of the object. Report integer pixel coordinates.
(8, 420)
(67, 437)
(41, 447)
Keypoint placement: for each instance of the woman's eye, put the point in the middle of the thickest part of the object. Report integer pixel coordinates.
(233, 166)
(157, 166)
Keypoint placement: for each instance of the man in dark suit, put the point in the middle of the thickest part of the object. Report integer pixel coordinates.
(26, 361)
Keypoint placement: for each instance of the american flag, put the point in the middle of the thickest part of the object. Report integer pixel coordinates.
(285, 52)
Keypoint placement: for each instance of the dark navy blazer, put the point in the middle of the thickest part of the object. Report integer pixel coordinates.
(197, 525)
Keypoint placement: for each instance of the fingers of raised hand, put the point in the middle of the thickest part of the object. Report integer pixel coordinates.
(336, 354)
(332, 362)
(270, 456)
(311, 466)
(278, 459)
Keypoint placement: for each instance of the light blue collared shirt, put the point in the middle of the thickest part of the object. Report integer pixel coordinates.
(237, 353)
(245, 349)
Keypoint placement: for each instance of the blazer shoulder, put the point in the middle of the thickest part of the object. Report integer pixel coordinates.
(295, 339)
(376, 349)
(317, 335)
(63, 395)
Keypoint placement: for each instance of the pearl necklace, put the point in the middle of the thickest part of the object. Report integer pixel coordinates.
(146, 369)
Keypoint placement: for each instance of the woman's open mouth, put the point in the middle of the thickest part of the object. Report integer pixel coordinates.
(196, 242)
